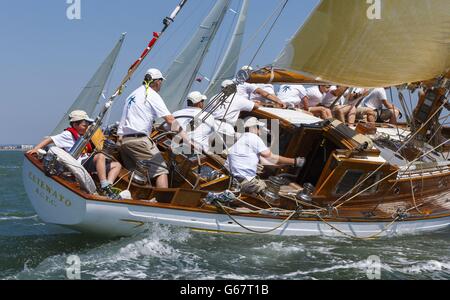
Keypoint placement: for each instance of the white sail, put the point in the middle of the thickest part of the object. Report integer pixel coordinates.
(181, 74)
(228, 66)
(90, 95)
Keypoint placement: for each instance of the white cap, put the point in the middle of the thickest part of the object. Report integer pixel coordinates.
(226, 83)
(79, 115)
(247, 68)
(155, 74)
(196, 97)
(253, 122)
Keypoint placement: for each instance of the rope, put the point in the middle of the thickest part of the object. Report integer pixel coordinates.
(386, 162)
(393, 173)
(369, 238)
(255, 231)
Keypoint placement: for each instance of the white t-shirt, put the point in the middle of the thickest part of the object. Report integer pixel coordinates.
(246, 90)
(203, 129)
(244, 156)
(375, 99)
(235, 107)
(141, 111)
(268, 88)
(66, 142)
(291, 94)
(315, 96)
(329, 98)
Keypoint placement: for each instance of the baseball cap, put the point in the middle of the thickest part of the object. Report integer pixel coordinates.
(155, 74)
(253, 122)
(247, 68)
(226, 83)
(196, 97)
(79, 115)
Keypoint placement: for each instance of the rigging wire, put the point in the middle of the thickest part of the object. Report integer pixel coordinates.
(386, 162)
(270, 31)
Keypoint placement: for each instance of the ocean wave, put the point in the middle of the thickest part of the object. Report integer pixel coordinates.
(10, 167)
(15, 218)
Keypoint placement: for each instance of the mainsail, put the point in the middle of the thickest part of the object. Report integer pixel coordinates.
(348, 43)
(228, 67)
(181, 75)
(90, 95)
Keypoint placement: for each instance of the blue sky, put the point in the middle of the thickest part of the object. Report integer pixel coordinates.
(46, 58)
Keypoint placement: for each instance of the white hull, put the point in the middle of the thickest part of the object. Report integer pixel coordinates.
(56, 204)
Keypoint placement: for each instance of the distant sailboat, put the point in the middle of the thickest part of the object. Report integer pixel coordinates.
(228, 67)
(90, 95)
(182, 73)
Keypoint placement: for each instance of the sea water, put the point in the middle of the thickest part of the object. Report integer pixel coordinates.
(31, 249)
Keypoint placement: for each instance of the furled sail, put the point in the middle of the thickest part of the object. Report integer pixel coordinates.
(182, 73)
(228, 66)
(372, 44)
(90, 95)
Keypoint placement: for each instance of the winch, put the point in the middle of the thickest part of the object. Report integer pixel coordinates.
(274, 184)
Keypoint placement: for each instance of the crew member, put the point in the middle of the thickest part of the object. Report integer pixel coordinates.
(227, 114)
(261, 93)
(244, 156)
(107, 171)
(386, 111)
(142, 108)
(203, 126)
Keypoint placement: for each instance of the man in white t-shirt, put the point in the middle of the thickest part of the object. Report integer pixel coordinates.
(107, 171)
(292, 94)
(203, 126)
(142, 108)
(228, 114)
(378, 101)
(312, 101)
(244, 156)
(342, 110)
(261, 93)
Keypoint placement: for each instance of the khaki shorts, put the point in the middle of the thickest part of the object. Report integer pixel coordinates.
(137, 149)
(255, 186)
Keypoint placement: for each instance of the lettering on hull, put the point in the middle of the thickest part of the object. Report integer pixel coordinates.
(47, 193)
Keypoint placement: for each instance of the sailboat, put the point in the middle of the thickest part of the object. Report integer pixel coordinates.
(357, 184)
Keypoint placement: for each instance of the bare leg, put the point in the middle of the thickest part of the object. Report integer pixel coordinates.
(351, 115)
(371, 116)
(162, 182)
(394, 117)
(339, 113)
(100, 165)
(114, 172)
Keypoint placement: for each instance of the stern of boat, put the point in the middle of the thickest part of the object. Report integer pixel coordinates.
(53, 202)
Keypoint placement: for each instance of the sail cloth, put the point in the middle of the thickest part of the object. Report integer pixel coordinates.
(229, 64)
(90, 95)
(343, 42)
(183, 71)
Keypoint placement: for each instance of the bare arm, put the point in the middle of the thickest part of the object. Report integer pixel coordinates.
(305, 101)
(41, 145)
(277, 159)
(389, 105)
(270, 97)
